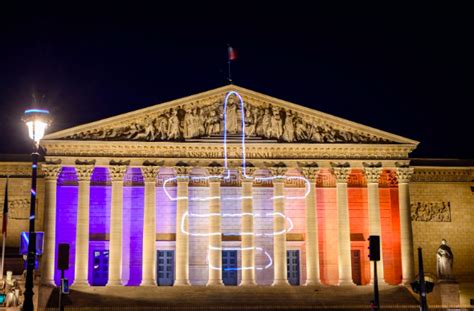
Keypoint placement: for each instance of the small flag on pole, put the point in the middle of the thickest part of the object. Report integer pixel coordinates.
(5, 211)
(232, 54)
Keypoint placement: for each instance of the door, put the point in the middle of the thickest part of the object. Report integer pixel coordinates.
(165, 273)
(229, 267)
(356, 269)
(293, 267)
(100, 269)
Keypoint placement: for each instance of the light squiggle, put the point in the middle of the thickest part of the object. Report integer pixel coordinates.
(227, 176)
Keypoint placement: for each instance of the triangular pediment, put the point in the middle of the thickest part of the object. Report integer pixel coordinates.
(201, 118)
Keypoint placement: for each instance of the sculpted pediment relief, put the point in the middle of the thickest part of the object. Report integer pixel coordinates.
(201, 117)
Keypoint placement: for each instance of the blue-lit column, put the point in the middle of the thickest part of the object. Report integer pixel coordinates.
(83, 173)
(182, 239)
(149, 226)
(116, 173)
(51, 173)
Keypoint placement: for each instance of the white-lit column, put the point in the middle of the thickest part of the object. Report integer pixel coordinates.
(51, 173)
(311, 241)
(406, 233)
(182, 226)
(215, 237)
(116, 173)
(280, 277)
(342, 172)
(248, 238)
(372, 174)
(83, 173)
(149, 226)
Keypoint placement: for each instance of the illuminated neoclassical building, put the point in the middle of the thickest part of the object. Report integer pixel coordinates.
(172, 195)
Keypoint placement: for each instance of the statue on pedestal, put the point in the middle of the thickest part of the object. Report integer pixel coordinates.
(444, 261)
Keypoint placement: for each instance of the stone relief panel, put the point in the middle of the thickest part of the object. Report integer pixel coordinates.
(431, 211)
(205, 118)
(18, 208)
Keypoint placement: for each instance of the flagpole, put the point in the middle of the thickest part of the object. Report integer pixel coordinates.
(230, 76)
(3, 255)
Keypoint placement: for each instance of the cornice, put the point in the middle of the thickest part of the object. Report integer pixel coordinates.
(216, 150)
(443, 174)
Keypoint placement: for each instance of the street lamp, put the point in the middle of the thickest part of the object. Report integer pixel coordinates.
(37, 120)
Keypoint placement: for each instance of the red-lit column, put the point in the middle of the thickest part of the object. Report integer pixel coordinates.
(311, 241)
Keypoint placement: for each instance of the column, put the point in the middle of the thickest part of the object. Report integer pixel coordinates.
(311, 241)
(248, 237)
(215, 237)
(51, 173)
(280, 277)
(116, 173)
(342, 172)
(149, 226)
(372, 174)
(406, 233)
(83, 173)
(182, 239)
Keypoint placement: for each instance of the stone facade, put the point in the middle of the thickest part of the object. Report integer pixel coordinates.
(166, 168)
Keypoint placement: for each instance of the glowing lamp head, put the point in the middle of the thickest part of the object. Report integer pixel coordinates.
(37, 120)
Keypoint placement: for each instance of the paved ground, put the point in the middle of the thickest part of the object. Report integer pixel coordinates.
(231, 298)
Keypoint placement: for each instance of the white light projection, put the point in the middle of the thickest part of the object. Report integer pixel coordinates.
(289, 226)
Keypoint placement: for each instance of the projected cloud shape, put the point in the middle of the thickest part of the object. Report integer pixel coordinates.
(289, 223)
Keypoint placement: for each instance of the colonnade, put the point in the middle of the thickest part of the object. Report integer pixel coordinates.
(340, 171)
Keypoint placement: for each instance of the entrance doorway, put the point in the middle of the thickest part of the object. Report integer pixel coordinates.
(229, 267)
(100, 269)
(356, 269)
(165, 266)
(293, 267)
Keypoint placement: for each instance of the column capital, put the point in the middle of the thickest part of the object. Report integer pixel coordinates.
(182, 173)
(117, 172)
(149, 172)
(51, 171)
(341, 171)
(84, 171)
(249, 172)
(310, 173)
(278, 172)
(215, 173)
(372, 173)
(404, 174)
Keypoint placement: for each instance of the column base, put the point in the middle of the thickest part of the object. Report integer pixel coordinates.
(114, 283)
(248, 283)
(148, 283)
(281, 283)
(312, 283)
(215, 283)
(80, 283)
(181, 283)
(346, 283)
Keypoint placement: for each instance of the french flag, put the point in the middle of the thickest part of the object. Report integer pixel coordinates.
(232, 54)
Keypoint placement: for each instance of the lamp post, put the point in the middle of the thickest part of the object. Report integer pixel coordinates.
(37, 120)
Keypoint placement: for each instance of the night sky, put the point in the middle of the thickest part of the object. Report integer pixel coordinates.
(407, 70)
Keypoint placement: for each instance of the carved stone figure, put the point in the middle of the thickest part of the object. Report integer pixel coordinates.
(250, 123)
(232, 119)
(264, 128)
(276, 126)
(174, 129)
(444, 261)
(289, 129)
